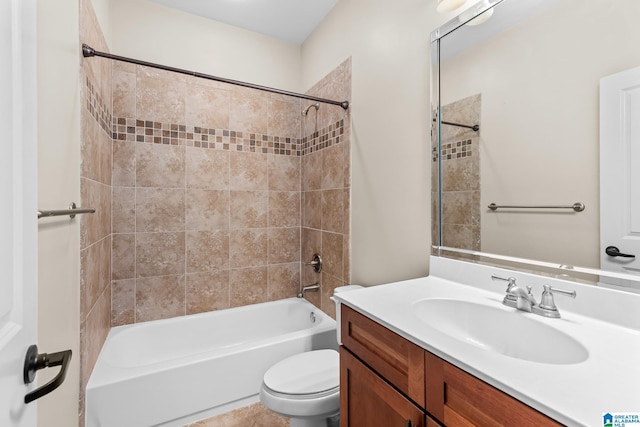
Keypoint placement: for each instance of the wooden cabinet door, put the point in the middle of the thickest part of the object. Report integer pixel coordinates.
(459, 399)
(366, 400)
(393, 357)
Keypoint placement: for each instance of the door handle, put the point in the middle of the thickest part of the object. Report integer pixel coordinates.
(33, 362)
(613, 251)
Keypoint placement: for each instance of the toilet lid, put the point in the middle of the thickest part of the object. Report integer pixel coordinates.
(305, 373)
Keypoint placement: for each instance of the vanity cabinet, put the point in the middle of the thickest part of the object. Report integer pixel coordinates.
(385, 380)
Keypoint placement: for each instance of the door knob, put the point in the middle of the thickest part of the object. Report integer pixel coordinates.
(613, 251)
(33, 362)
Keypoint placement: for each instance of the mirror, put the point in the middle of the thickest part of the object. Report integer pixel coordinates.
(529, 77)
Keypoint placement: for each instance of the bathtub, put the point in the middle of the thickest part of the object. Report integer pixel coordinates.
(174, 371)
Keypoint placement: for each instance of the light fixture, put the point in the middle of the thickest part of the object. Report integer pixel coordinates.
(449, 5)
(480, 19)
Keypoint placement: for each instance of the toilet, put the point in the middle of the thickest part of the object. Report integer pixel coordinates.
(305, 387)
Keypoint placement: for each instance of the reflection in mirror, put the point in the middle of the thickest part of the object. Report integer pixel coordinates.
(534, 77)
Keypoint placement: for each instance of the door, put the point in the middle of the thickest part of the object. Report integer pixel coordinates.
(18, 228)
(619, 172)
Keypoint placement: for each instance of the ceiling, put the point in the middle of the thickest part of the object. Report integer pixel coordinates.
(288, 20)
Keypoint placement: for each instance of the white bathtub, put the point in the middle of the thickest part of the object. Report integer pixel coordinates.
(175, 371)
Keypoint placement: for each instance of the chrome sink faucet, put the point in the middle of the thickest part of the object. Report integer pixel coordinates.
(517, 297)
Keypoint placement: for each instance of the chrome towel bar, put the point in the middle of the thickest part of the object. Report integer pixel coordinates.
(72, 211)
(578, 207)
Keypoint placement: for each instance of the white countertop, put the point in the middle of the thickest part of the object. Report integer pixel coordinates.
(573, 394)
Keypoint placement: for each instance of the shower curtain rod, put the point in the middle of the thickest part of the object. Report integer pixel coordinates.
(88, 51)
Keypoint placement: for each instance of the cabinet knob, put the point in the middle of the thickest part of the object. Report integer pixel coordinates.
(409, 423)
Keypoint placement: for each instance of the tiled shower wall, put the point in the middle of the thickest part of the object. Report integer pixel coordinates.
(326, 185)
(460, 175)
(95, 191)
(208, 181)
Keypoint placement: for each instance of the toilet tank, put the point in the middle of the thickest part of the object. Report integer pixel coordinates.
(336, 291)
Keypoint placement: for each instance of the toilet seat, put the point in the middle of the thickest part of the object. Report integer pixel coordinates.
(306, 373)
(304, 385)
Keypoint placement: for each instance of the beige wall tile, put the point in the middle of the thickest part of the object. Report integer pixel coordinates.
(207, 210)
(248, 286)
(333, 167)
(249, 111)
(207, 106)
(160, 297)
(207, 169)
(97, 325)
(461, 236)
(160, 166)
(284, 172)
(249, 209)
(312, 209)
(248, 171)
(124, 92)
(311, 244)
(284, 245)
(458, 207)
(207, 291)
(160, 209)
(333, 210)
(284, 209)
(124, 163)
(124, 256)
(332, 249)
(284, 117)
(312, 171)
(248, 247)
(160, 97)
(95, 150)
(283, 281)
(207, 250)
(123, 302)
(160, 254)
(95, 226)
(95, 272)
(123, 210)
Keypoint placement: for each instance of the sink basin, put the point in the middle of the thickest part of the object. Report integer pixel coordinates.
(513, 334)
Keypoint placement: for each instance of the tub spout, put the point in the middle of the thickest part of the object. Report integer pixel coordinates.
(309, 288)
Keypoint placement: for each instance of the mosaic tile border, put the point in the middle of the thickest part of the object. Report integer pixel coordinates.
(147, 131)
(453, 150)
(324, 138)
(97, 107)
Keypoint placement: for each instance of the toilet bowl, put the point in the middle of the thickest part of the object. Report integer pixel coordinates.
(305, 387)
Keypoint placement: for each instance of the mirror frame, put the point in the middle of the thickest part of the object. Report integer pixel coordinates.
(549, 269)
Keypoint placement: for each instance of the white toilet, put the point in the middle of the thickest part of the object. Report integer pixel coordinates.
(306, 387)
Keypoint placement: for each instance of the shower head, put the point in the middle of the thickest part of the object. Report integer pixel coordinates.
(306, 110)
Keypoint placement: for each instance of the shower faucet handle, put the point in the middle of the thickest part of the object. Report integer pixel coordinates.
(316, 263)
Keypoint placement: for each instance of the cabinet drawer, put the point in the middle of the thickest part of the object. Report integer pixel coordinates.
(396, 359)
(457, 398)
(367, 400)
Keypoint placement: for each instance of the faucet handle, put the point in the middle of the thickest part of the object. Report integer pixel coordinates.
(511, 280)
(548, 305)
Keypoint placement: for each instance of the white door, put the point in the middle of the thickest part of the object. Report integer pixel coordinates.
(620, 172)
(18, 228)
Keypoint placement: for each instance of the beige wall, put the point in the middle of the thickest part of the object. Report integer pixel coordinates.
(539, 124)
(156, 33)
(390, 150)
(58, 185)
